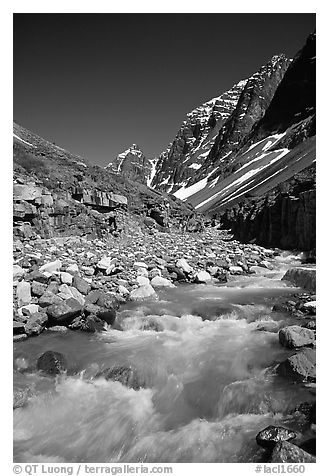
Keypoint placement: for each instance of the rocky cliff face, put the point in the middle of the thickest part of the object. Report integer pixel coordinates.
(253, 188)
(212, 132)
(179, 163)
(58, 193)
(133, 165)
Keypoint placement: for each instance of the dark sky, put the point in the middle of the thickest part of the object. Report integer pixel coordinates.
(96, 83)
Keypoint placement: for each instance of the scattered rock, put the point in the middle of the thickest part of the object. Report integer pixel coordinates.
(20, 337)
(159, 282)
(235, 270)
(23, 293)
(300, 366)
(18, 327)
(36, 323)
(143, 292)
(66, 278)
(183, 264)
(81, 285)
(271, 435)
(48, 299)
(203, 277)
(90, 323)
(51, 267)
(296, 336)
(18, 272)
(52, 362)
(128, 376)
(64, 310)
(285, 452)
(302, 277)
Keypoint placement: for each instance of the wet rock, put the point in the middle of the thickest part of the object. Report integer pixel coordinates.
(64, 310)
(90, 323)
(58, 329)
(143, 292)
(52, 362)
(160, 282)
(51, 267)
(271, 435)
(300, 366)
(128, 376)
(302, 277)
(203, 277)
(20, 398)
(23, 293)
(107, 300)
(36, 323)
(180, 275)
(107, 315)
(309, 307)
(18, 328)
(20, 337)
(268, 327)
(309, 410)
(309, 446)
(285, 452)
(81, 285)
(296, 336)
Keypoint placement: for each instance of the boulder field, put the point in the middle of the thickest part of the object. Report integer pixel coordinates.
(80, 283)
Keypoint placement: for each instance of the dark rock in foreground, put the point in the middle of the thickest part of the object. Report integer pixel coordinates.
(52, 362)
(271, 435)
(285, 452)
(300, 366)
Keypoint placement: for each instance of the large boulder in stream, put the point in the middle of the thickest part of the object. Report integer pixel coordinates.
(128, 376)
(296, 336)
(52, 362)
(143, 292)
(271, 435)
(300, 366)
(303, 277)
(90, 323)
(285, 452)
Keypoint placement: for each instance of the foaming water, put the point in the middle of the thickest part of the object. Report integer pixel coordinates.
(207, 372)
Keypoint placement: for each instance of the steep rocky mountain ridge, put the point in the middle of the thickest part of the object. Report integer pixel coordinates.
(194, 139)
(214, 130)
(133, 165)
(267, 193)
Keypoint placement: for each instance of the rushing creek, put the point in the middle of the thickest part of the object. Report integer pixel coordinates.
(208, 369)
